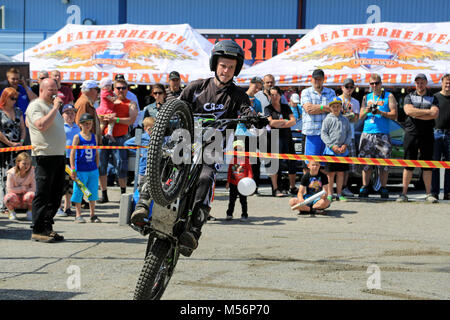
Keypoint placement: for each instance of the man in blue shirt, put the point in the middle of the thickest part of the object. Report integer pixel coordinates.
(315, 100)
(377, 109)
(16, 81)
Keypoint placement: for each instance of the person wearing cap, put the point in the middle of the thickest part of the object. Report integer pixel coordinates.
(314, 102)
(126, 114)
(378, 108)
(85, 104)
(336, 133)
(71, 129)
(84, 165)
(421, 108)
(442, 138)
(350, 109)
(48, 139)
(174, 89)
(238, 169)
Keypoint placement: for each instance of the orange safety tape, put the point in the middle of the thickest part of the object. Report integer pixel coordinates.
(350, 160)
(11, 149)
(105, 147)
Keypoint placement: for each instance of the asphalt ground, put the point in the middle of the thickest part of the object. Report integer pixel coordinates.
(369, 249)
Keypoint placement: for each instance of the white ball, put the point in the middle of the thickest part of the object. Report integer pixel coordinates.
(246, 186)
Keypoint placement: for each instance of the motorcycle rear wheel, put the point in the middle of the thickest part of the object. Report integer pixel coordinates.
(156, 272)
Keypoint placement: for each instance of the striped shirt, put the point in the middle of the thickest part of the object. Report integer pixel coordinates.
(312, 123)
(170, 95)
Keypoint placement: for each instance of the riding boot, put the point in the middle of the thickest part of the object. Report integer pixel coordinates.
(140, 214)
(189, 238)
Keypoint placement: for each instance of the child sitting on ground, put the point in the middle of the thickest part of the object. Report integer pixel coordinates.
(239, 168)
(84, 164)
(312, 182)
(336, 133)
(107, 103)
(20, 186)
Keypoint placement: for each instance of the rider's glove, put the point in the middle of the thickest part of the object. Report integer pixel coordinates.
(259, 122)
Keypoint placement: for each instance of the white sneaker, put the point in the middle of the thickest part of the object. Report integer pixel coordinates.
(347, 193)
(12, 216)
(29, 216)
(61, 213)
(229, 218)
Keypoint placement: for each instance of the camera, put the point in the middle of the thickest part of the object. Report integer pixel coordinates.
(373, 109)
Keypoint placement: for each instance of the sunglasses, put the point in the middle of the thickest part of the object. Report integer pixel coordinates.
(349, 87)
(121, 88)
(374, 83)
(158, 92)
(13, 99)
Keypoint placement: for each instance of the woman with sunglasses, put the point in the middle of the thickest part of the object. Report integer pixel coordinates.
(159, 93)
(12, 130)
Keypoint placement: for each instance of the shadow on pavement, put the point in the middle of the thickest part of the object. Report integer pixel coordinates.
(14, 294)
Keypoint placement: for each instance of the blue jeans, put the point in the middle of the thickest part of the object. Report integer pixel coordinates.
(120, 157)
(441, 153)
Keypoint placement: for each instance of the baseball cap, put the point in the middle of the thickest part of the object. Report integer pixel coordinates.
(318, 73)
(335, 100)
(89, 84)
(119, 77)
(295, 98)
(86, 117)
(421, 76)
(174, 75)
(349, 81)
(106, 82)
(257, 80)
(68, 107)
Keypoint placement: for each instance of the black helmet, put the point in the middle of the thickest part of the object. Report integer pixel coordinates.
(227, 49)
(86, 117)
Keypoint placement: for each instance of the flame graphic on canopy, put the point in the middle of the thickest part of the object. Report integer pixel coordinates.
(139, 49)
(77, 52)
(341, 49)
(408, 51)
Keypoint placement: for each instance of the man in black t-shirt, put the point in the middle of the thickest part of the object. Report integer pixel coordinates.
(442, 138)
(421, 108)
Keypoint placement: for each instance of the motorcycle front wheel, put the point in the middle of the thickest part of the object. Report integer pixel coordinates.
(170, 151)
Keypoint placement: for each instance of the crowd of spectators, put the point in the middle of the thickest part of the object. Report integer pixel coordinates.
(326, 120)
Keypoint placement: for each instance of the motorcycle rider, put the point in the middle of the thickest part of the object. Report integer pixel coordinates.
(217, 95)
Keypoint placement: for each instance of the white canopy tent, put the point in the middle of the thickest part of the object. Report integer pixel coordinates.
(145, 54)
(396, 51)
